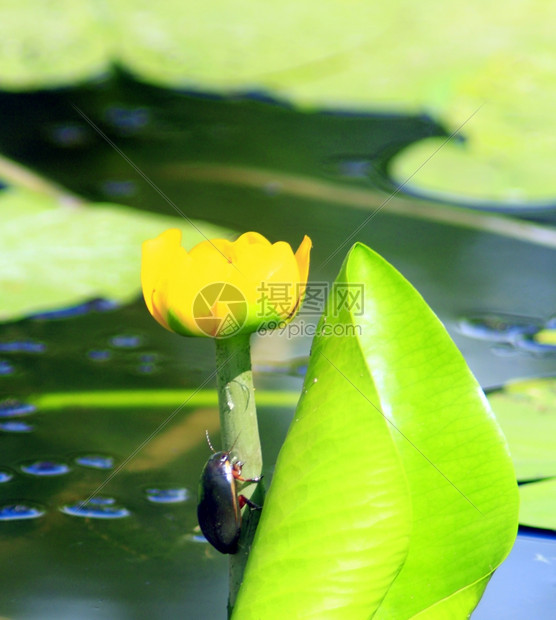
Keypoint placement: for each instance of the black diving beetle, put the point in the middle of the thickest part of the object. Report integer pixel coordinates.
(219, 507)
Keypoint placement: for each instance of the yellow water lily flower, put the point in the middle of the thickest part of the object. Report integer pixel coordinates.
(221, 288)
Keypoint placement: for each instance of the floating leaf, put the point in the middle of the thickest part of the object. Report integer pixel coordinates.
(508, 148)
(394, 494)
(467, 63)
(538, 504)
(526, 411)
(54, 256)
(50, 44)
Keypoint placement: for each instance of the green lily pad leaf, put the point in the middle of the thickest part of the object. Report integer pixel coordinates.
(52, 44)
(506, 157)
(526, 411)
(55, 256)
(546, 336)
(538, 504)
(468, 64)
(345, 532)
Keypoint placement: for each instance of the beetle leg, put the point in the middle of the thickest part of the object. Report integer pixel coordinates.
(236, 472)
(245, 501)
(257, 479)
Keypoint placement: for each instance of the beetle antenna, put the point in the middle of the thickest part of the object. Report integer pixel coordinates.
(235, 441)
(208, 441)
(211, 446)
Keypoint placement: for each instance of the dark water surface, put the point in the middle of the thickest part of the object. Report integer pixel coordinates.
(86, 539)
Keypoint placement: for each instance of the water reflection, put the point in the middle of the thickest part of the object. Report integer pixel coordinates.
(15, 512)
(13, 408)
(497, 327)
(68, 135)
(167, 496)
(512, 334)
(99, 355)
(16, 426)
(95, 461)
(95, 305)
(45, 468)
(5, 475)
(22, 346)
(127, 119)
(6, 368)
(126, 341)
(96, 508)
(118, 188)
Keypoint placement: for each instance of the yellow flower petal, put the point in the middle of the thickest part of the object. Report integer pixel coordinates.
(251, 238)
(156, 267)
(222, 287)
(302, 257)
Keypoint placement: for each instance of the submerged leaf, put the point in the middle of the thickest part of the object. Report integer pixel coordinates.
(394, 493)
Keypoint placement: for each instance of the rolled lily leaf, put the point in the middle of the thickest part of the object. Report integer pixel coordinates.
(394, 494)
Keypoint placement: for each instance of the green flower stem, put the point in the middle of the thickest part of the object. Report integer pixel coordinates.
(240, 433)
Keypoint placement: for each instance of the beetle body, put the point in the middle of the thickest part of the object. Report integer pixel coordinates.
(219, 507)
(218, 510)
